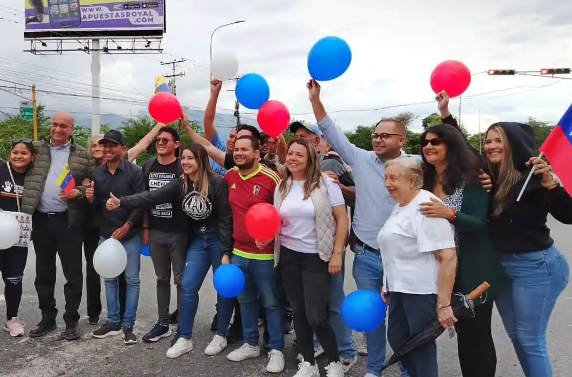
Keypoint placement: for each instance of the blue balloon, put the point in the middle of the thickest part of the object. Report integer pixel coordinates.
(229, 280)
(252, 91)
(145, 251)
(329, 58)
(363, 310)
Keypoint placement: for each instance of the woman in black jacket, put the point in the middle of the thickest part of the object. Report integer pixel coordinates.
(536, 271)
(13, 260)
(208, 220)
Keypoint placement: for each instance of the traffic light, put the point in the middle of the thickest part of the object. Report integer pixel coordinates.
(555, 71)
(501, 72)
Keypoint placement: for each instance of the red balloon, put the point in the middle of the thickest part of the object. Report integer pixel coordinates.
(273, 118)
(263, 222)
(451, 76)
(165, 108)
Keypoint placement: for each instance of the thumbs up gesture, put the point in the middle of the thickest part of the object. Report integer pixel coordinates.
(112, 203)
(89, 191)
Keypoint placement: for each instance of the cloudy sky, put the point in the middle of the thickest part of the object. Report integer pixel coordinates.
(395, 46)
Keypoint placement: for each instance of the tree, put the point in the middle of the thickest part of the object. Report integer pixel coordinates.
(431, 120)
(15, 127)
(541, 132)
(362, 137)
(474, 141)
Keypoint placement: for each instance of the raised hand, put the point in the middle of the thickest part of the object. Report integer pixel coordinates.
(112, 203)
(313, 90)
(89, 192)
(216, 86)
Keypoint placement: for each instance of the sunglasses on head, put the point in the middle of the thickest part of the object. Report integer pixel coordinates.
(27, 142)
(433, 142)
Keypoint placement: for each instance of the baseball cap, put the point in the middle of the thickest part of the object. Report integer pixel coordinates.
(313, 128)
(112, 136)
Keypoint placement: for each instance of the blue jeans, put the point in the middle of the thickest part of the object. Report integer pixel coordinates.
(368, 274)
(133, 248)
(534, 282)
(204, 252)
(344, 336)
(260, 278)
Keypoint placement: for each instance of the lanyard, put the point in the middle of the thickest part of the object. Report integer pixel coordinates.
(14, 182)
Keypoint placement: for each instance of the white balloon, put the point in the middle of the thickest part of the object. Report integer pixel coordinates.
(224, 66)
(9, 230)
(110, 259)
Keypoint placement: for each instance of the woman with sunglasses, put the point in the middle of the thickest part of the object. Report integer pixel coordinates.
(451, 171)
(13, 260)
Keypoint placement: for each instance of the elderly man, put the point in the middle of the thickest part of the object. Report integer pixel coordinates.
(58, 221)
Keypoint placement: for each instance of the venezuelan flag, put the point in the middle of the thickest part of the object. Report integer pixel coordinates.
(558, 149)
(65, 180)
(161, 86)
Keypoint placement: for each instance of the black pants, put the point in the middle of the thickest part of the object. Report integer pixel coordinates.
(92, 278)
(12, 265)
(477, 354)
(52, 235)
(307, 284)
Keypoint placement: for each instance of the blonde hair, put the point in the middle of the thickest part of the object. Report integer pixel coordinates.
(93, 138)
(313, 170)
(201, 184)
(505, 174)
(410, 168)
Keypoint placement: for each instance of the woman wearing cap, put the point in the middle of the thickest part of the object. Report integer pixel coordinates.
(537, 272)
(13, 260)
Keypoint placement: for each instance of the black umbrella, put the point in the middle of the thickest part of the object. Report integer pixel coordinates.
(462, 308)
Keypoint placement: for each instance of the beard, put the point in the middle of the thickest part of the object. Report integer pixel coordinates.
(247, 165)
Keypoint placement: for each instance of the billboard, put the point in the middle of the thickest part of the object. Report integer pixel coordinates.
(90, 19)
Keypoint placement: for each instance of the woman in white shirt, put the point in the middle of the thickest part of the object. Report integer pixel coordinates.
(308, 249)
(419, 261)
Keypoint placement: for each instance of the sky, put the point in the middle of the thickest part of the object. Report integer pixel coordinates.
(395, 46)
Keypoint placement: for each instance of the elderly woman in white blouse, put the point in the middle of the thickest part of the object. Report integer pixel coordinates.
(419, 259)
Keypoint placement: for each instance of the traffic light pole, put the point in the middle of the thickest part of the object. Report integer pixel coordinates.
(35, 112)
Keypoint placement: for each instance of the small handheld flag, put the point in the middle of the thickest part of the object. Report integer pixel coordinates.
(161, 86)
(65, 180)
(558, 149)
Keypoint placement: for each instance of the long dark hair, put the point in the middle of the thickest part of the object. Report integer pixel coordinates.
(463, 165)
(201, 185)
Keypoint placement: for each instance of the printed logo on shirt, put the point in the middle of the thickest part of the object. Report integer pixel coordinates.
(196, 206)
(156, 181)
(233, 186)
(256, 189)
(9, 190)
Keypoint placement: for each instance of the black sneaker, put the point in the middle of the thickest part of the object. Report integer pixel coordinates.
(174, 318)
(42, 329)
(176, 336)
(157, 332)
(72, 332)
(108, 329)
(128, 336)
(214, 323)
(288, 326)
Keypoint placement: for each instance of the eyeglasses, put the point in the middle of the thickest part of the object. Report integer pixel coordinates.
(383, 136)
(433, 142)
(163, 140)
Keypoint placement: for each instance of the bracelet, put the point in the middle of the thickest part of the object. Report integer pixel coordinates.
(439, 306)
(454, 216)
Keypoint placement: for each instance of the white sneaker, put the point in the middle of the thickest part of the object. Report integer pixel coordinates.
(305, 369)
(245, 352)
(15, 327)
(335, 370)
(276, 362)
(181, 347)
(370, 375)
(318, 351)
(348, 363)
(216, 346)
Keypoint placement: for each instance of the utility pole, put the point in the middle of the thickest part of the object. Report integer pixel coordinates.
(174, 75)
(35, 112)
(237, 105)
(480, 136)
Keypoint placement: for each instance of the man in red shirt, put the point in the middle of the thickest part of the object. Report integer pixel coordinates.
(250, 183)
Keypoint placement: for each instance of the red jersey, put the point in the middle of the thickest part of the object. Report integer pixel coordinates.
(244, 192)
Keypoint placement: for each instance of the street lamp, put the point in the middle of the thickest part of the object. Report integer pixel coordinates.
(211, 45)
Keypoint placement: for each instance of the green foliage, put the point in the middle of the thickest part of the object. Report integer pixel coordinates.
(361, 137)
(431, 120)
(541, 131)
(16, 127)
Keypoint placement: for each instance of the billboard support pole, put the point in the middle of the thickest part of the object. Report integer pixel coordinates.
(95, 93)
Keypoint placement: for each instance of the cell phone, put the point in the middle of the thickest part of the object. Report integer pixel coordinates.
(64, 14)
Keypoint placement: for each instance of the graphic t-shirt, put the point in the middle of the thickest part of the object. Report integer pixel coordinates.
(244, 192)
(199, 209)
(164, 216)
(10, 192)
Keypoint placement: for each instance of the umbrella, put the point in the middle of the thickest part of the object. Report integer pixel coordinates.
(462, 308)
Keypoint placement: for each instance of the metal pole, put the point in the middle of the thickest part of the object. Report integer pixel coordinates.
(95, 92)
(211, 45)
(480, 136)
(35, 112)
(460, 101)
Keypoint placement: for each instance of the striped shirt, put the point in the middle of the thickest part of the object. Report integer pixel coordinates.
(244, 192)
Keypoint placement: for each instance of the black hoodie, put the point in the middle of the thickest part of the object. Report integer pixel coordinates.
(521, 227)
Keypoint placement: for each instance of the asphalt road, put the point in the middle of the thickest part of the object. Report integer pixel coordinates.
(47, 357)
